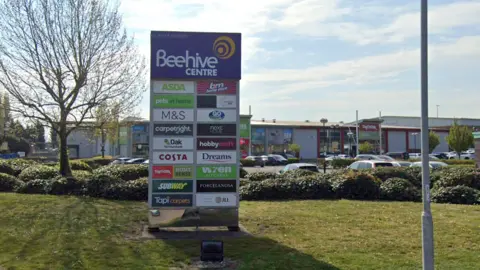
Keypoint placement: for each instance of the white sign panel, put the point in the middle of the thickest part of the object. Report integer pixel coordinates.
(216, 115)
(216, 200)
(173, 115)
(172, 143)
(173, 87)
(172, 157)
(216, 157)
(227, 101)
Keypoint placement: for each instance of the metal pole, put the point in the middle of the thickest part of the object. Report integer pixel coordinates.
(250, 130)
(380, 131)
(356, 123)
(437, 110)
(427, 221)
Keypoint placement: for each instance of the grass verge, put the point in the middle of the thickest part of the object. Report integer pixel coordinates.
(60, 232)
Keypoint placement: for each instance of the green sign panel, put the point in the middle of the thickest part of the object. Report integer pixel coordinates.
(169, 186)
(244, 128)
(123, 136)
(217, 172)
(173, 101)
(183, 172)
(476, 135)
(369, 135)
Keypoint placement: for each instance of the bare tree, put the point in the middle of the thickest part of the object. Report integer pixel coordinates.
(60, 59)
(107, 123)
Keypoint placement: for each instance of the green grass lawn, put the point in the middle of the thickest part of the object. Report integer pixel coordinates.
(53, 232)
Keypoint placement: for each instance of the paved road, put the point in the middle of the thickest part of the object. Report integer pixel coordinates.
(273, 169)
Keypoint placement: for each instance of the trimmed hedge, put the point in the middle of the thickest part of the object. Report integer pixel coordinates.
(67, 186)
(9, 183)
(79, 165)
(38, 172)
(7, 168)
(136, 190)
(399, 189)
(19, 164)
(243, 173)
(125, 172)
(100, 183)
(356, 186)
(341, 163)
(36, 186)
(456, 195)
(456, 176)
(97, 162)
(260, 176)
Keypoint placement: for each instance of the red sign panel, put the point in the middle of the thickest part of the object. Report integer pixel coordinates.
(216, 144)
(369, 127)
(162, 172)
(217, 87)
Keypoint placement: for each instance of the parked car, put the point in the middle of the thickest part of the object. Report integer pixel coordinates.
(415, 155)
(300, 166)
(372, 164)
(277, 160)
(146, 161)
(432, 164)
(257, 159)
(404, 163)
(385, 157)
(440, 155)
(121, 160)
(398, 155)
(367, 157)
(135, 161)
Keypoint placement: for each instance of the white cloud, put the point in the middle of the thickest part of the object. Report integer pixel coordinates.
(442, 19)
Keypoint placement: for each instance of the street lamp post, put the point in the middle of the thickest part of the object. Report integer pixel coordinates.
(324, 121)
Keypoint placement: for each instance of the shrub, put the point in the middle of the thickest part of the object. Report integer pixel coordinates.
(136, 190)
(244, 182)
(309, 187)
(456, 176)
(18, 164)
(260, 176)
(293, 160)
(124, 172)
(78, 165)
(67, 186)
(399, 189)
(38, 172)
(412, 174)
(36, 186)
(247, 162)
(357, 186)
(6, 168)
(100, 183)
(456, 195)
(243, 173)
(295, 174)
(9, 183)
(341, 163)
(97, 162)
(82, 175)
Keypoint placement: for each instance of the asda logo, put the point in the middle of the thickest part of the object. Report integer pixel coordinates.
(172, 186)
(173, 87)
(217, 172)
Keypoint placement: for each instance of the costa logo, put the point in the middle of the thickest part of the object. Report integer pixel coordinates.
(165, 172)
(173, 157)
(217, 87)
(216, 144)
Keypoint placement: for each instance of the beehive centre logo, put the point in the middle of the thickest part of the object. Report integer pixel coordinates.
(196, 64)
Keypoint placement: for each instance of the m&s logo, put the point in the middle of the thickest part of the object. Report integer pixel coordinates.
(224, 47)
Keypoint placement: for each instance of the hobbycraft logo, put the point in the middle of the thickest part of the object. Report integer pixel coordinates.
(369, 127)
(196, 64)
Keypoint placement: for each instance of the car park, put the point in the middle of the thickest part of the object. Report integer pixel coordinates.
(367, 157)
(258, 160)
(398, 155)
(300, 166)
(277, 160)
(372, 164)
(121, 160)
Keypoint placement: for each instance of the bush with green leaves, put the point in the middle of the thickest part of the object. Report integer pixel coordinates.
(295, 174)
(6, 168)
(399, 189)
(82, 175)
(67, 186)
(356, 186)
(341, 163)
(243, 173)
(260, 176)
(412, 174)
(97, 162)
(38, 172)
(20, 164)
(9, 183)
(36, 186)
(100, 183)
(247, 162)
(304, 188)
(125, 172)
(456, 195)
(136, 190)
(79, 165)
(293, 160)
(456, 176)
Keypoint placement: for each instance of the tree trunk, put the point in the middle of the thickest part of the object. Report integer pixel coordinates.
(103, 143)
(64, 158)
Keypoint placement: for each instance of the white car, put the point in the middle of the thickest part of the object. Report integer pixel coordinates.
(432, 164)
(372, 164)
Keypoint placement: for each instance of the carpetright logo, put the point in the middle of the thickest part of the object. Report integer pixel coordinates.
(216, 157)
(173, 129)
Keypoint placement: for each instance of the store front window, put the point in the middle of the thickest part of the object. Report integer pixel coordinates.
(258, 141)
(278, 139)
(140, 138)
(330, 141)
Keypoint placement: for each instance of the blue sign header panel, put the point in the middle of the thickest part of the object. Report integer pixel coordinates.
(194, 55)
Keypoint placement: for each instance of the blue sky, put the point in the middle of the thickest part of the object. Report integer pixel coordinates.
(310, 59)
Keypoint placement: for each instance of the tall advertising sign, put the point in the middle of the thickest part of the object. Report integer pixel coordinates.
(194, 129)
